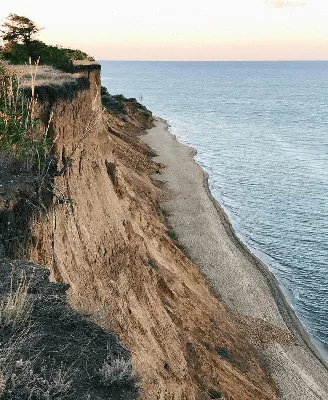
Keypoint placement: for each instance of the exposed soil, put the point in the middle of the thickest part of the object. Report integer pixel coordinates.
(104, 234)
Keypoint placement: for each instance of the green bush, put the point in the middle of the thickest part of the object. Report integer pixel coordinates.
(15, 53)
(116, 104)
(55, 56)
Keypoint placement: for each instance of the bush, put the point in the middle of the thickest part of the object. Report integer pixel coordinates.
(117, 104)
(215, 394)
(117, 371)
(55, 56)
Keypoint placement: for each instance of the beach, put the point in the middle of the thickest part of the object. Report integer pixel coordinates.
(234, 274)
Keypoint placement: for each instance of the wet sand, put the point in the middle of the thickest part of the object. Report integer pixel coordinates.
(234, 274)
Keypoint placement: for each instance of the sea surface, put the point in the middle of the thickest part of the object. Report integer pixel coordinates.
(261, 132)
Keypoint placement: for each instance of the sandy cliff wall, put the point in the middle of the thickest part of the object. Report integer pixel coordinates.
(103, 233)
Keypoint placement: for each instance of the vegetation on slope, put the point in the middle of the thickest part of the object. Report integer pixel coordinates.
(49, 351)
(20, 142)
(117, 104)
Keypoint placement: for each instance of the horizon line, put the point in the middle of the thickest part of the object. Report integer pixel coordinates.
(282, 60)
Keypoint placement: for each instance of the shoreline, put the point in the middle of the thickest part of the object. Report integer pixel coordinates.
(281, 314)
(284, 306)
(285, 309)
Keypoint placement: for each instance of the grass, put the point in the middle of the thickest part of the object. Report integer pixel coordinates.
(116, 371)
(46, 76)
(49, 351)
(21, 378)
(22, 146)
(16, 306)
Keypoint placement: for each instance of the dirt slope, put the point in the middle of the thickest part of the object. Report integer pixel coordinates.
(104, 235)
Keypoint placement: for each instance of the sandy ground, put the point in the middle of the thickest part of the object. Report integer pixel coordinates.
(233, 273)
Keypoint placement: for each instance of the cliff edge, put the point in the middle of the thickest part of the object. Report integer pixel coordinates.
(98, 226)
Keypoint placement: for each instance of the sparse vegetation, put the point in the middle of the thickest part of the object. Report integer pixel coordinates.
(171, 234)
(20, 142)
(214, 394)
(53, 352)
(117, 104)
(46, 76)
(223, 352)
(16, 306)
(116, 371)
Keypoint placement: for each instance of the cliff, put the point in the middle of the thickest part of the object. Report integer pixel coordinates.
(97, 225)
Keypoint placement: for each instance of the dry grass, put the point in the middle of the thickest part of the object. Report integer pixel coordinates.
(117, 371)
(20, 377)
(46, 75)
(16, 307)
(19, 134)
(85, 62)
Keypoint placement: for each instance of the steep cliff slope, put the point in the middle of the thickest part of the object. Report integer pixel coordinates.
(103, 233)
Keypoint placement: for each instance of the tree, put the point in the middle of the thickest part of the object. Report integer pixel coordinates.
(19, 29)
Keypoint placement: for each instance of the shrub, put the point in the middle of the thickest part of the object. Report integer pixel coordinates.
(223, 352)
(214, 394)
(117, 104)
(117, 371)
(171, 234)
(55, 56)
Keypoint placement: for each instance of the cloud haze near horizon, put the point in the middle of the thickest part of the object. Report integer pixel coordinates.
(284, 3)
(171, 30)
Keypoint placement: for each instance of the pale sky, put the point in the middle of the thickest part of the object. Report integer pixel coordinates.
(182, 30)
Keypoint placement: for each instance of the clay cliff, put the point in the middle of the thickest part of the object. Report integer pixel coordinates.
(98, 226)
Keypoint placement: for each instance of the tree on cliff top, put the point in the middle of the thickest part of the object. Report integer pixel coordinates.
(19, 29)
(18, 34)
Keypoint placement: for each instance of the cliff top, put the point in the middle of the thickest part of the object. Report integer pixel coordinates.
(44, 75)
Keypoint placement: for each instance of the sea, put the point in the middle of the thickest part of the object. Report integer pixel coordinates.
(261, 133)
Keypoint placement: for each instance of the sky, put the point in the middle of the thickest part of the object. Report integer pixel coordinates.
(182, 29)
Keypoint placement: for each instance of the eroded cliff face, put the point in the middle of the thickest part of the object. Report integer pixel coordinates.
(103, 233)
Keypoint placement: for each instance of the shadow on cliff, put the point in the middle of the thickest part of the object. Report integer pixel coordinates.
(49, 351)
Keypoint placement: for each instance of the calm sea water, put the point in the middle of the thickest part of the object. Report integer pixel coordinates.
(261, 131)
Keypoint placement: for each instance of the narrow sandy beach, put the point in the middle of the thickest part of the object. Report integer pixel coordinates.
(232, 272)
